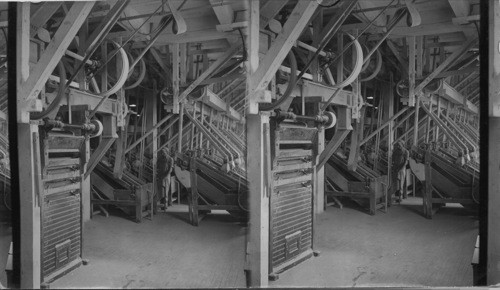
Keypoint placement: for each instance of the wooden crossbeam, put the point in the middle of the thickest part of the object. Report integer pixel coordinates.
(269, 10)
(271, 62)
(105, 25)
(42, 15)
(145, 135)
(52, 55)
(331, 147)
(473, 81)
(103, 147)
(156, 55)
(218, 63)
(467, 70)
(403, 63)
(454, 56)
(464, 80)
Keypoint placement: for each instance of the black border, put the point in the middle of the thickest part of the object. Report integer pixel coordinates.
(13, 144)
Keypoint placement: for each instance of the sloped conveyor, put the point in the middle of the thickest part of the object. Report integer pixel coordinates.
(364, 185)
(130, 194)
(445, 181)
(214, 189)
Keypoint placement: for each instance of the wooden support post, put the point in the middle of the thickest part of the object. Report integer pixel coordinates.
(183, 63)
(411, 70)
(257, 126)
(181, 127)
(40, 73)
(175, 77)
(427, 195)
(27, 136)
(415, 123)
(340, 65)
(428, 125)
(319, 199)
(436, 131)
(151, 120)
(292, 29)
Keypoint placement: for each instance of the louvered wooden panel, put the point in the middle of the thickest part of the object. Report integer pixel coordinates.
(291, 213)
(61, 229)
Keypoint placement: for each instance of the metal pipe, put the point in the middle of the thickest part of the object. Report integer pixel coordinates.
(313, 49)
(79, 57)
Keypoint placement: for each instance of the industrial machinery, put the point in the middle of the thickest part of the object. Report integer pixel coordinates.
(292, 150)
(445, 180)
(61, 150)
(131, 194)
(212, 188)
(363, 185)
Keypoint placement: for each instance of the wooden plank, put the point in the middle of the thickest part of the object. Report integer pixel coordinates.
(269, 10)
(105, 25)
(64, 35)
(292, 29)
(41, 15)
(156, 55)
(454, 56)
(175, 77)
(331, 147)
(97, 155)
(411, 70)
(403, 63)
(219, 62)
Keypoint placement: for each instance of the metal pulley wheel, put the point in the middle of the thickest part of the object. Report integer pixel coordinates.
(332, 119)
(291, 84)
(139, 77)
(119, 81)
(402, 88)
(376, 71)
(166, 96)
(57, 100)
(98, 128)
(358, 64)
(434, 86)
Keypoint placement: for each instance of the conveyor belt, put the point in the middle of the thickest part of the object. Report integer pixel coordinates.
(453, 181)
(220, 188)
(365, 186)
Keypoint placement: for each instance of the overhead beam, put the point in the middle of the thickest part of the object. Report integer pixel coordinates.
(218, 63)
(270, 63)
(463, 71)
(421, 30)
(331, 147)
(156, 55)
(450, 94)
(106, 25)
(454, 56)
(269, 10)
(40, 73)
(42, 15)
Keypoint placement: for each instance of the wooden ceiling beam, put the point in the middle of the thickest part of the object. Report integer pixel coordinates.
(269, 10)
(156, 55)
(299, 18)
(452, 58)
(42, 15)
(40, 73)
(403, 31)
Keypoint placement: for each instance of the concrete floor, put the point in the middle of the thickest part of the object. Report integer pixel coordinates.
(400, 248)
(164, 253)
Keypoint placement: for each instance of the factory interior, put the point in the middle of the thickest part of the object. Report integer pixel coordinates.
(249, 143)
